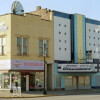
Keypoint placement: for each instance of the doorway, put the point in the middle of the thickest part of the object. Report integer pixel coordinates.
(23, 82)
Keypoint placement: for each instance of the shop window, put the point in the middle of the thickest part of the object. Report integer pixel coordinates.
(81, 81)
(21, 46)
(87, 81)
(58, 81)
(2, 46)
(4, 81)
(41, 48)
(68, 81)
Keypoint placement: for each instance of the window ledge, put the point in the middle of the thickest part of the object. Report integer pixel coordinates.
(43, 56)
(22, 55)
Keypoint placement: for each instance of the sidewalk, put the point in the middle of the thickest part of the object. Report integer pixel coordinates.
(35, 94)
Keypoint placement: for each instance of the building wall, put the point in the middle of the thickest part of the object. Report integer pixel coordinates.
(44, 13)
(32, 27)
(6, 19)
(62, 37)
(93, 38)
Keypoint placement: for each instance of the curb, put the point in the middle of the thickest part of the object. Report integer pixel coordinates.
(27, 96)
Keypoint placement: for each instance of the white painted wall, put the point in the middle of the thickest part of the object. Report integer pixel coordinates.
(93, 39)
(60, 38)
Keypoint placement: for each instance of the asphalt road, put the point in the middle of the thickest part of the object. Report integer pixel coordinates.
(68, 97)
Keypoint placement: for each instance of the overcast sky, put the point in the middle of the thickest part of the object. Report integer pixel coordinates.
(89, 8)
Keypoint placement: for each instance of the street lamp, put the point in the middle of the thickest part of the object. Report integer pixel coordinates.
(44, 55)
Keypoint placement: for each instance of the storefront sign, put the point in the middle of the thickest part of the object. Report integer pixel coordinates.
(21, 65)
(77, 68)
(3, 27)
(27, 65)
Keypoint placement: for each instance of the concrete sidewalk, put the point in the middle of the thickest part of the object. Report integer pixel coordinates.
(35, 94)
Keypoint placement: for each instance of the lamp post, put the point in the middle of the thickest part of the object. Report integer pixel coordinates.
(44, 55)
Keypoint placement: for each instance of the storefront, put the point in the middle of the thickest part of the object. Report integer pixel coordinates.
(29, 75)
(74, 76)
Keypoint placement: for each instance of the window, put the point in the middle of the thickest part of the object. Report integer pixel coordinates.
(94, 37)
(41, 48)
(94, 30)
(89, 43)
(64, 25)
(21, 46)
(94, 44)
(2, 45)
(58, 81)
(59, 24)
(65, 49)
(65, 33)
(98, 38)
(89, 36)
(98, 31)
(89, 30)
(65, 41)
(94, 51)
(59, 48)
(59, 40)
(59, 32)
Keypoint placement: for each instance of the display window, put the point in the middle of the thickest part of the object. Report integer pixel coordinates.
(36, 80)
(9, 79)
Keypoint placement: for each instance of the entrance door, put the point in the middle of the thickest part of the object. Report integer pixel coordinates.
(70, 82)
(23, 82)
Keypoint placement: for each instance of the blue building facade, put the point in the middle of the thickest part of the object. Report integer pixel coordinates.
(80, 71)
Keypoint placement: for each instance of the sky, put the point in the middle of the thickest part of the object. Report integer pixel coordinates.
(89, 8)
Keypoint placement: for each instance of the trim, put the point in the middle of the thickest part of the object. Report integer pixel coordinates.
(72, 37)
(61, 62)
(84, 38)
(92, 21)
(75, 40)
(61, 14)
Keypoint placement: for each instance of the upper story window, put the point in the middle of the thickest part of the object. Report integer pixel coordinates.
(59, 24)
(64, 25)
(22, 46)
(2, 45)
(41, 46)
(89, 30)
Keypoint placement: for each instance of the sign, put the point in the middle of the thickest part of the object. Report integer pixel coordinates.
(27, 65)
(3, 27)
(77, 68)
(21, 65)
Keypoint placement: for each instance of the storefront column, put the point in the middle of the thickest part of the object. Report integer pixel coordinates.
(10, 80)
(27, 82)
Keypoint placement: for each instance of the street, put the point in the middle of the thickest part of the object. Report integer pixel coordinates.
(68, 97)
